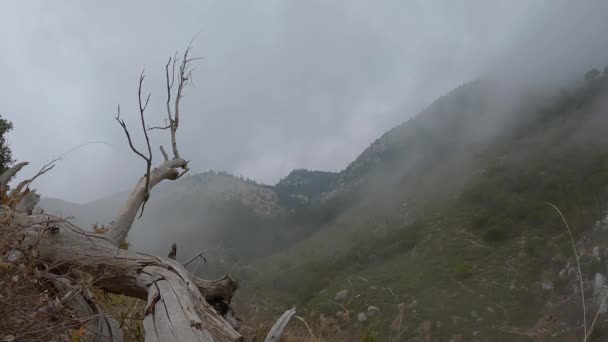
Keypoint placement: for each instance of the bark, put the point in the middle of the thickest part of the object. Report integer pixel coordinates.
(179, 305)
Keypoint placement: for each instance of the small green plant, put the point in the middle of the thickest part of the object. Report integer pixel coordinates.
(462, 270)
(369, 336)
(124, 244)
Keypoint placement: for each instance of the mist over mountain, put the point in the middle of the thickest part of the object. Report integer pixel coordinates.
(467, 117)
(395, 170)
(443, 212)
(309, 86)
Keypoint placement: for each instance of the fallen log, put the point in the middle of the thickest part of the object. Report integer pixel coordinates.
(179, 305)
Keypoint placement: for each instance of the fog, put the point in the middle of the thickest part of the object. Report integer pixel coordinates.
(284, 84)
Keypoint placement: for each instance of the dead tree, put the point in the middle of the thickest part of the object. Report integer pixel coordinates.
(180, 306)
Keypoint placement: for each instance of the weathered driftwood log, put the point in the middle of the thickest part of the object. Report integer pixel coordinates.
(178, 306)
(275, 333)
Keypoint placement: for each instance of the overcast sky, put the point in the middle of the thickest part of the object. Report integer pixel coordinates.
(284, 84)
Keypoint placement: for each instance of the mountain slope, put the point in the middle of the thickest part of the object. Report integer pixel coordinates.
(200, 206)
(302, 187)
(443, 214)
(232, 219)
(452, 220)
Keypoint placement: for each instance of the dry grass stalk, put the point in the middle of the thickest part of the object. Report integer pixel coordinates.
(578, 266)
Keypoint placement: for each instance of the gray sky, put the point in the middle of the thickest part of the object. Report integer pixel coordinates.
(285, 84)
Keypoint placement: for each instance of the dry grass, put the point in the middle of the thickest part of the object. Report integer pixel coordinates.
(321, 328)
(31, 308)
(34, 308)
(35, 303)
(298, 330)
(578, 266)
(128, 311)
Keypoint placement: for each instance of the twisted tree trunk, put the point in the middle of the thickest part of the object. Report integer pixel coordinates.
(124, 220)
(179, 305)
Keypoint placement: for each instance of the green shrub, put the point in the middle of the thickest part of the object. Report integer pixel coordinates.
(495, 235)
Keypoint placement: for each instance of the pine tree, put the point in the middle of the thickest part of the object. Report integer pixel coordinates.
(6, 155)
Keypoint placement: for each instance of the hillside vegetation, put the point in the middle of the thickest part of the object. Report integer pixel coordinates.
(440, 224)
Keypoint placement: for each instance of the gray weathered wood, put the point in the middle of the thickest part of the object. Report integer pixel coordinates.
(165, 283)
(277, 329)
(180, 307)
(125, 218)
(28, 202)
(99, 327)
(6, 177)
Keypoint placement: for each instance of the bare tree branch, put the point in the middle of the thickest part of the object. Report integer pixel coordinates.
(124, 127)
(148, 158)
(158, 127)
(170, 168)
(199, 254)
(164, 153)
(185, 74)
(184, 77)
(128, 213)
(143, 127)
(45, 168)
(21, 198)
(170, 86)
